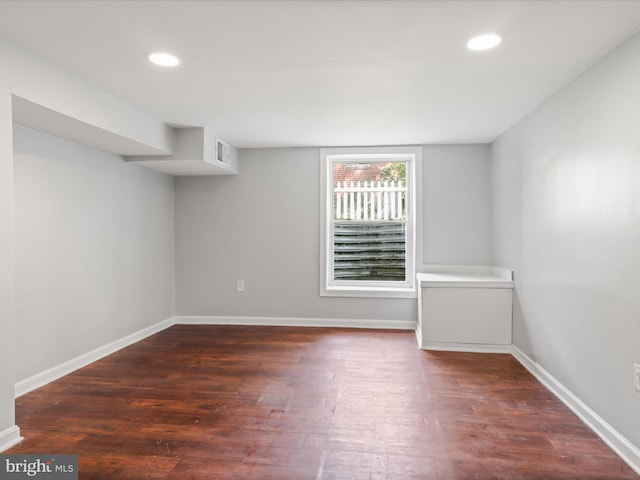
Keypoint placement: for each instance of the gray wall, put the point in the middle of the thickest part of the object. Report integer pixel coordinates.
(567, 218)
(456, 189)
(263, 227)
(54, 89)
(94, 249)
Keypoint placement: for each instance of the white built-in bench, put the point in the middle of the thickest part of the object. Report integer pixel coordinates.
(465, 308)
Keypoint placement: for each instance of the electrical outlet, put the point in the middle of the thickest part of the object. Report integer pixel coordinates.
(240, 286)
(636, 377)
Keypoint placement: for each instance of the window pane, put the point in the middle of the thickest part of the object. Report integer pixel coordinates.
(369, 251)
(369, 221)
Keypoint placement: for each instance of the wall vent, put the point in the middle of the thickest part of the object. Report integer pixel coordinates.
(222, 152)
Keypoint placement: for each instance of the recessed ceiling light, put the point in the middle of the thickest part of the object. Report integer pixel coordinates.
(164, 59)
(484, 42)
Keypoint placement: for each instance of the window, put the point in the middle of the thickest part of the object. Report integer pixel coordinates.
(369, 221)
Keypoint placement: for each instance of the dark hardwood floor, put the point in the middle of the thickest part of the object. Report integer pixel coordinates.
(209, 402)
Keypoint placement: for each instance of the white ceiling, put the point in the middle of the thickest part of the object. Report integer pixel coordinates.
(326, 73)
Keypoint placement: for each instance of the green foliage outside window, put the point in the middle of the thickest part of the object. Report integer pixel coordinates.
(394, 171)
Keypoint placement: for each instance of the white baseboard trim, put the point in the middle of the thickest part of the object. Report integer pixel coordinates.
(419, 335)
(609, 435)
(295, 322)
(466, 347)
(9, 437)
(40, 379)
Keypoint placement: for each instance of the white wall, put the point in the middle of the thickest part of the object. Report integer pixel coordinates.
(567, 218)
(263, 227)
(7, 360)
(94, 249)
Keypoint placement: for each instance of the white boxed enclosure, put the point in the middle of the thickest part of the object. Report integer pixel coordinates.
(465, 309)
(196, 151)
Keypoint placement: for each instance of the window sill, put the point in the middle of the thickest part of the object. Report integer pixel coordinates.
(368, 292)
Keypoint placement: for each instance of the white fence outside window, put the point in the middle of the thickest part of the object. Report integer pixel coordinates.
(369, 200)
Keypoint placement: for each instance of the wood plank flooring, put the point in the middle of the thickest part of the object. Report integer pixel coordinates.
(213, 402)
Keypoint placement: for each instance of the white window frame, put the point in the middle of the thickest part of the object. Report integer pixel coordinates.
(381, 289)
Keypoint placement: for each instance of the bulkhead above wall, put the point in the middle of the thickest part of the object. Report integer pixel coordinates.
(196, 150)
(151, 138)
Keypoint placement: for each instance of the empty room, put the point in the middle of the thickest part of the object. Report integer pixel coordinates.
(320, 239)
